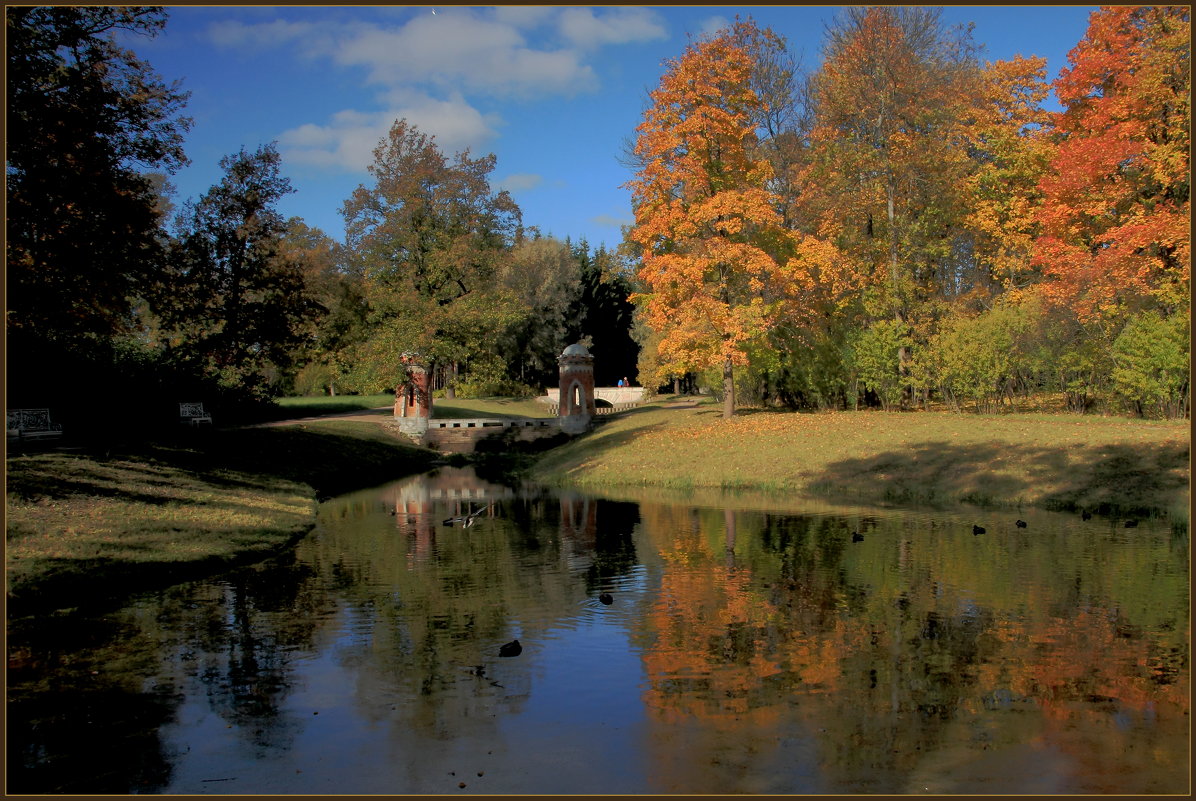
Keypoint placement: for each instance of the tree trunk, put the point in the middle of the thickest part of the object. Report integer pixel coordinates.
(450, 384)
(729, 548)
(676, 385)
(728, 389)
(903, 356)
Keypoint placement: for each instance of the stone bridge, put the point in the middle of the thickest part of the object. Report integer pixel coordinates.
(573, 407)
(618, 398)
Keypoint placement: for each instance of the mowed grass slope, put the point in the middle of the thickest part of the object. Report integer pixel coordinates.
(82, 524)
(298, 407)
(71, 519)
(1107, 465)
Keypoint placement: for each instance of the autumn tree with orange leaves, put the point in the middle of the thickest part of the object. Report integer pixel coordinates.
(832, 240)
(1116, 215)
(889, 153)
(1011, 142)
(706, 224)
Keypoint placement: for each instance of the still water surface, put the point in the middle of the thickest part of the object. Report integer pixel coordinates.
(751, 646)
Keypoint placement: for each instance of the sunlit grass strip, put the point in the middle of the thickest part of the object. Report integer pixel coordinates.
(182, 506)
(441, 407)
(140, 516)
(290, 408)
(490, 407)
(1058, 461)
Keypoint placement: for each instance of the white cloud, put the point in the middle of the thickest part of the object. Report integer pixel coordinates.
(460, 47)
(347, 142)
(711, 26)
(524, 16)
(611, 221)
(457, 48)
(265, 34)
(616, 26)
(423, 68)
(520, 181)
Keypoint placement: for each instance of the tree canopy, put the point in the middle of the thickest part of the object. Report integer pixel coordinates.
(704, 217)
(240, 304)
(85, 117)
(1117, 213)
(929, 206)
(899, 224)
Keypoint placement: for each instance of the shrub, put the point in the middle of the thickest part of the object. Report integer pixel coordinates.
(1151, 364)
(315, 378)
(873, 355)
(978, 357)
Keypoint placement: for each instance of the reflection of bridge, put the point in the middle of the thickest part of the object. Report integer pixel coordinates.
(426, 504)
(451, 484)
(472, 493)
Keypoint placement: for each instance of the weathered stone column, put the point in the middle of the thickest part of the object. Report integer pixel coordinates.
(577, 389)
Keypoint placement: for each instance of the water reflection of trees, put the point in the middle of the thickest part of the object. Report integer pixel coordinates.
(780, 654)
(238, 641)
(79, 719)
(92, 697)
(441, 598)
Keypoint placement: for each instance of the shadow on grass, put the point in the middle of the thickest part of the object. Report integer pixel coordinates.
(34, 485)
(330, 461)
(101, 582)
(260, 460)
(1107, 479)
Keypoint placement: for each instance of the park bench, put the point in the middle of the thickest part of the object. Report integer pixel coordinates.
(193, 414)
(32, 424)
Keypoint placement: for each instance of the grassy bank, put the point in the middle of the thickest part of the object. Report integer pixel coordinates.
(312, 405)
(297, 407)
(490, 407)
(1107, 465)
(86, 523)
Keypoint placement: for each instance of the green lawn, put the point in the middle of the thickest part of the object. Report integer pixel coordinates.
(490, 407)
(79, 524)
(1108, 464)
(311, 406)
(296, 407)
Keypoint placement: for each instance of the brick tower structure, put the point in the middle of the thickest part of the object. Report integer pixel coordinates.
(413, 398)
(577, 389)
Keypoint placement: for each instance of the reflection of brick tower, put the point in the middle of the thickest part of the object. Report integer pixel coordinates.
(579, 520)
(413, 398)
(577, 389)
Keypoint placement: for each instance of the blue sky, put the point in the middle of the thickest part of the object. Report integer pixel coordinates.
(552, 91)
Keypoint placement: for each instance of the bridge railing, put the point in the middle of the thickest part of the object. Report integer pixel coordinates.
(600, 410)
(614, 395)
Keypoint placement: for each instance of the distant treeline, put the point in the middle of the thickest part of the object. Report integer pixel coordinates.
(121, 304)
(901, 225)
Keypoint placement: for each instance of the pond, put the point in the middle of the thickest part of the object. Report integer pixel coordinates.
(749, 644)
